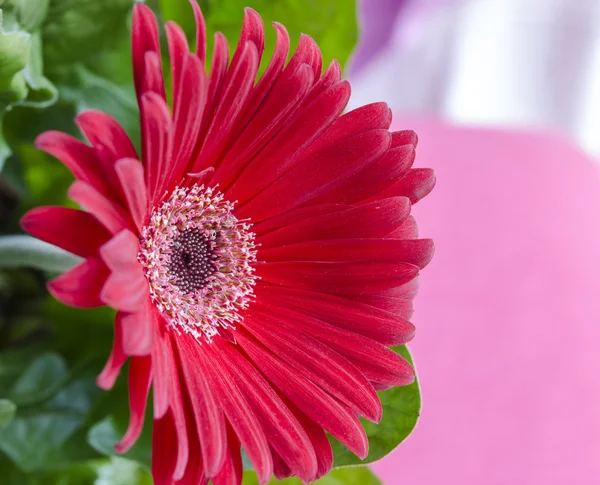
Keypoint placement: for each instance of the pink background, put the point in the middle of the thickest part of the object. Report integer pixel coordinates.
(508, 315)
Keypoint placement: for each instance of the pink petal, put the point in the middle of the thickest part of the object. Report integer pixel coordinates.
(138, 330)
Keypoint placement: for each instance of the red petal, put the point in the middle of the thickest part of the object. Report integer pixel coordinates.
(415, 185)
(332, 76)
(286, 148)
(406, 137)
(73, 230)
(80, 286)
(79, 158)
(209, 418)
(317, 176)
(178, 49)
(111, 215)
(366, 118)
(319, 441)
(240, 415)
(346, 277)
(284, 433)
(232, 471)
(282, 101)
(107, 378)
(200, 31)
(140, 373)
(106, 135)
(417, 252)
(161, 373)
(271, 74)
(177, 408)
(157, 141)
(378, 363)
(110, 142)
(316, 361)
(164, 450)
(376, 178)
(145, 38)
(188, 118)
(356, 316)
(373, 220)
(311, 399)
(240, 79)
(131, 178)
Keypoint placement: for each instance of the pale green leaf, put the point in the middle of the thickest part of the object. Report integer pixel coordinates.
(26, 251)
(7, 412)
(40, 381)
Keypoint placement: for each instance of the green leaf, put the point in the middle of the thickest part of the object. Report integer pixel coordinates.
(41, 380)
(401, 409)
(42, 93)
(121, 471)
(332, 23)
(345, 476)
(89, 91)
(107, 433)
(26, 251)
(14, 52)
(84, 30)
(31, 13)
(48, 436)
(7, 412)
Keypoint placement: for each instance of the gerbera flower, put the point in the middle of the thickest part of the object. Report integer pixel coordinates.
(259, 253)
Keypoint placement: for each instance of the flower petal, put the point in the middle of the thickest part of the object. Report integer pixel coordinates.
(140, 374)
(371, 220)
(208, 415)
(111, 215)
(310, 398)
(319, 363)
(345, 277)
(80, 287)
(137, 328)
(355, 316)
(284, 433)
(130, 173)
(55, 225)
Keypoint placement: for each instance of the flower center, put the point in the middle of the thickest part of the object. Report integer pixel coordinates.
(198, 259)
(192, 260)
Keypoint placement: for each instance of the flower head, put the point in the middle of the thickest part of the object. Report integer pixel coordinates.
(259, 252)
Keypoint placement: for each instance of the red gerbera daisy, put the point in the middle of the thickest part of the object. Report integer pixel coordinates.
(260, 254)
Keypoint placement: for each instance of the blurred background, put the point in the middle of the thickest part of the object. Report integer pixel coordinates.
(505, 97)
